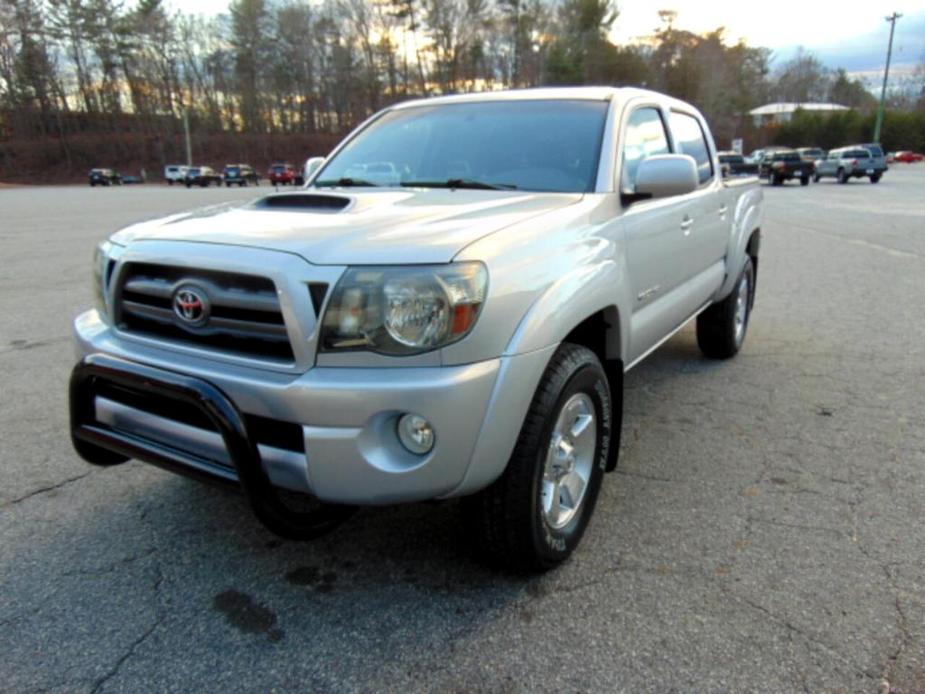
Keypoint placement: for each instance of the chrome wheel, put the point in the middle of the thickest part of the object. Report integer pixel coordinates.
(741, 311)
(569, 461)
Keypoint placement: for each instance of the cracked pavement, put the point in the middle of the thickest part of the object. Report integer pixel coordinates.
(764, 531)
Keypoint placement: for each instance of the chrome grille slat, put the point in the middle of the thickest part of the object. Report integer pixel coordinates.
(163, 289)
(244, 312)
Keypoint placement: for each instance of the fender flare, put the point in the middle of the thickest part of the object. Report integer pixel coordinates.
(569, 301)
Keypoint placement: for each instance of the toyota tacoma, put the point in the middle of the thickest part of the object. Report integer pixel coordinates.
(445, 310)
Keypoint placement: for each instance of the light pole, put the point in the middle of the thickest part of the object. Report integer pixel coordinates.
(886, 74)
(189, 149)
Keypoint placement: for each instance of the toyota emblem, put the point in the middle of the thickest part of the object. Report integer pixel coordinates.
(191, 305)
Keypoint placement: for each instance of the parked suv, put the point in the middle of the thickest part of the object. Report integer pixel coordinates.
(285, 174)
(240, 175)
(850, 162)
(785, 165)
(811, 154)
(461, 332)
(104, 177)
(203, 176)
(175, 173)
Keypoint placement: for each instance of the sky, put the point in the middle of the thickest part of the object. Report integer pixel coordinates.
(852, 34)
(843, 33)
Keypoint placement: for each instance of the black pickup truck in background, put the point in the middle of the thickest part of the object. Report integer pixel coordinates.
(734, 164)
(785, 165)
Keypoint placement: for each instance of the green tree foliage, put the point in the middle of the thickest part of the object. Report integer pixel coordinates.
(901, 130)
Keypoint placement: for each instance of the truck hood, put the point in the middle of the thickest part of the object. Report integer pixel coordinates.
(372, 228)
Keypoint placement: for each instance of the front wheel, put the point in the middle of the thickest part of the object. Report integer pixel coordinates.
(721, 328)
(842, 176)
(875, 178)
(804, 180)
(816, 178)
(533, 516)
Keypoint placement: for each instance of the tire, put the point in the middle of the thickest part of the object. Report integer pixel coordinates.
(169, 182)
(875, 178)
(721, 329)
(816, 178)
(842, 176)
(804, 180)
(519, 522)
(775, 181)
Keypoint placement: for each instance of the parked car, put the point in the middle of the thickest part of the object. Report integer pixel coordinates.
(811, 154)
(132, 180)
(272, 351)
(734, 164)
(877, 157)
(850, 162)
(240, 175)
(203, 176)
(175, 173)
(282, 174)
(757, 155)
(104, 177)
(285, 174)
(785, 165)
(907, 157)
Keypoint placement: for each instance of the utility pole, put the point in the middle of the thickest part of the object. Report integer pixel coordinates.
(189, 149)
(886, 74)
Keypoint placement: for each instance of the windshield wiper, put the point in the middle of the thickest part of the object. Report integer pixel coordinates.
(346, 183)
(469, 183)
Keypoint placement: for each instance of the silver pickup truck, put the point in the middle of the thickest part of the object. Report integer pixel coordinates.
(446, 309)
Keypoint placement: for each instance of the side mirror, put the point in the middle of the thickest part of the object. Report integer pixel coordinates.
(664, 175)
(311, 166)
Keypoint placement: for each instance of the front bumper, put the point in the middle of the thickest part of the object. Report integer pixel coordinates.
(346, 419)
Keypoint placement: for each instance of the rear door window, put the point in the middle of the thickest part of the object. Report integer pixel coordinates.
(690, 139)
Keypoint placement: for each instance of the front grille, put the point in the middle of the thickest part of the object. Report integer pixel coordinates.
(240, 313)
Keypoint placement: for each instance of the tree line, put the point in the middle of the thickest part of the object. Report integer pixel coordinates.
(72, 68)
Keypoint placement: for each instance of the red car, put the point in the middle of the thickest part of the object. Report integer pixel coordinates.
(285, 174)
(907, 157)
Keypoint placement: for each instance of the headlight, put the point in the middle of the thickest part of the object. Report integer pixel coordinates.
(403, 310)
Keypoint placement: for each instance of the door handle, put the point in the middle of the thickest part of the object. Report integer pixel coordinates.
(686, 224)
(722, 210)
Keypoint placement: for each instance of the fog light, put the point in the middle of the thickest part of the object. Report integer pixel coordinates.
(416, 434)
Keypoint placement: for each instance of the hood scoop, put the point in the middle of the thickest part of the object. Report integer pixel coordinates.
(313, 202)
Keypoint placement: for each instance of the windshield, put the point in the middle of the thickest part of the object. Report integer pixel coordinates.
(542, 145)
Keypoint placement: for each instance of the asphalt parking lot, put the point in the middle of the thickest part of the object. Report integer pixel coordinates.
(765, 530)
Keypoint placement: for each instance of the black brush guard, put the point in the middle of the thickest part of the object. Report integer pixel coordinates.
(100, 444)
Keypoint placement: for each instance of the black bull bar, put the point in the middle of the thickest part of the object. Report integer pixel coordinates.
(100, 444)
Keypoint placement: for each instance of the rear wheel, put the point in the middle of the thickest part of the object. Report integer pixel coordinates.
(842, 176)
(804, 180)
(534, 515)
(816, 178)
(875, 178)
(721, 328)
